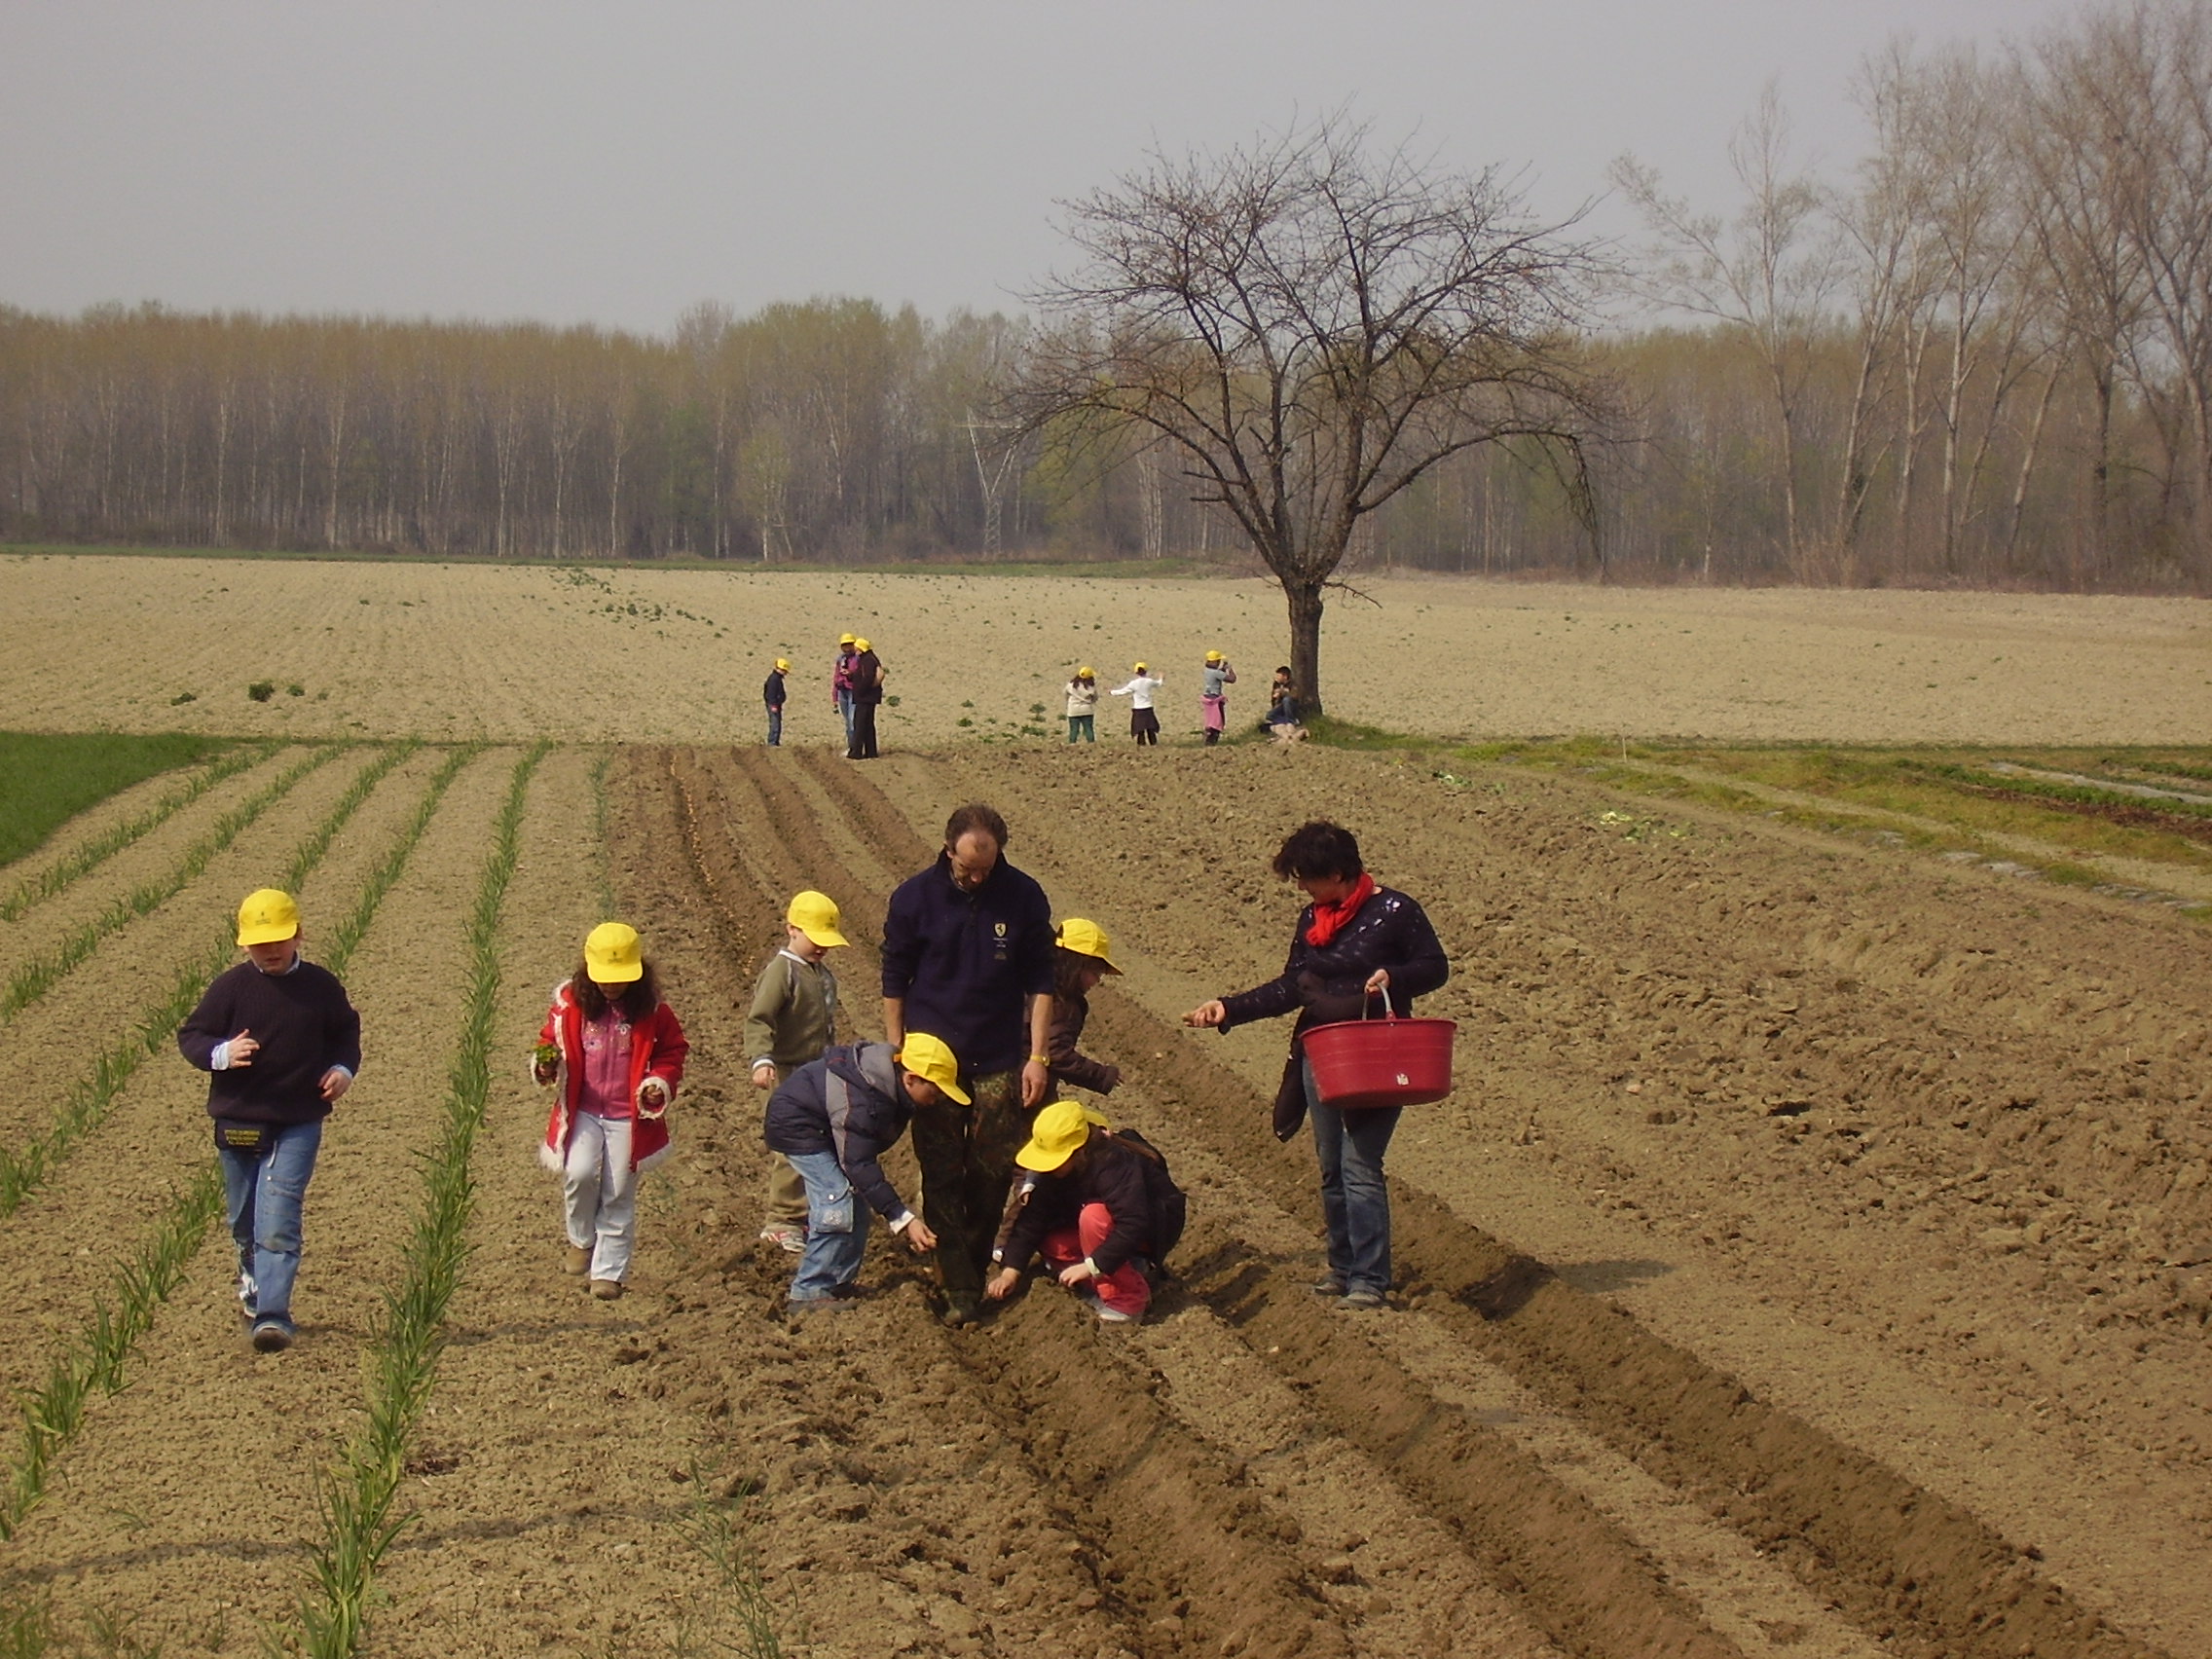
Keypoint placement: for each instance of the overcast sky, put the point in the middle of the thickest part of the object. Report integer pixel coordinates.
(613, 164)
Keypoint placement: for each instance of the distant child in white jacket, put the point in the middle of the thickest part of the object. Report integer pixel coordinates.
(1144, 721)
(1083, 706)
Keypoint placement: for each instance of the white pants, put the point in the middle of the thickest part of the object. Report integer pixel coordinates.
(600, 1190)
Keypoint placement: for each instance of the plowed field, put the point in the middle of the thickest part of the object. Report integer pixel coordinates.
(1812, 1260)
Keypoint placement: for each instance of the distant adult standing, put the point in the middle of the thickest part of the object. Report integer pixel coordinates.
(1355, 943)
(968, 956)
(1213, 697)
(867, 697)
(772, 693)
(1143, 720)
(1083, 705)
(282, 1044)
(841, 684)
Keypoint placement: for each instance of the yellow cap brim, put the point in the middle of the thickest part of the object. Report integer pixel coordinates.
(824, 936)
(1042, 1158)
(953, 1092)
(269, 934)
(603, 972)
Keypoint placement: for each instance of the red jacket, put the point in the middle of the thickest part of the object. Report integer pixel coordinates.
(656, 1051)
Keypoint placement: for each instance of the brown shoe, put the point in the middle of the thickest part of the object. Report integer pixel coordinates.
(606, 1290)
(577, 1261)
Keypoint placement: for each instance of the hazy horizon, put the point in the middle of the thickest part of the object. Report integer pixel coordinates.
(568, 164)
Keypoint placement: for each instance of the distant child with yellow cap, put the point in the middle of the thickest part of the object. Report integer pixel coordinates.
(1214, 698)
(615, 1051)
(867, 675)
(841, 684)
(1144, 721)
(1083, 705)
(834, 1118)
(772, 694)
(1101, 1211)
(282, 1044)
(792, 1020)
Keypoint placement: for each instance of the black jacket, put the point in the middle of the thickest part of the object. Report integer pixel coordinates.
(772, 690)
(877, 1114)
(1070, 1064)
(967, 963)
(1328, 982)
(1133, 1185)
(867, 678)
(305, 1027)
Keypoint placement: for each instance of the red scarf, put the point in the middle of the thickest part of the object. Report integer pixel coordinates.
(1329, 919)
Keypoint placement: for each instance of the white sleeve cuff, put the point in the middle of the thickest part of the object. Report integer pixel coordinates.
(347, 1070)
(902, 1221)
(220, 1060)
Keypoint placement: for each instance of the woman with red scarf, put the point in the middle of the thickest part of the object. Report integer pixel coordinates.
(1355, 942)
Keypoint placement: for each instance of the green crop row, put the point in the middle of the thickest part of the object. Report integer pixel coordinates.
(100, 848)
(55, 1411)
(23, 1172)
(36, 978)
(356, 1499)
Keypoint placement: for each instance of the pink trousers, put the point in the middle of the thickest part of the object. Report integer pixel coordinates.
(1124, 1289)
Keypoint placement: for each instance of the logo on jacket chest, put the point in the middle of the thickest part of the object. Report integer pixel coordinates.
(999, 941)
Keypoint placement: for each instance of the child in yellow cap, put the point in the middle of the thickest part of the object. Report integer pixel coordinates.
(615, 1051)
(792, 1020)
(1143, 686)
(282, 1044)
(1083, 705)
(1099, 1206)
(772, 693)
(1214, 698)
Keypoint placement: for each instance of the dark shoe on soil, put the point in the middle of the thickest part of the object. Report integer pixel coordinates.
(606, 1290)
(1361, 1300)
(1328, 1284)
(963, 1313)
(272, 1336)
(577, 1261)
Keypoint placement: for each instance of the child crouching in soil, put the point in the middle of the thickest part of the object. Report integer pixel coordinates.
(615, 1051)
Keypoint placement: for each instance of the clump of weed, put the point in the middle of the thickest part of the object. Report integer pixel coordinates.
(182, 698)
(261, 690)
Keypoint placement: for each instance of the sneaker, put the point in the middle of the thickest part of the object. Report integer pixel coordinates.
(1328, 1284)
(272, 1336)
(1361, 1300)
(606, 1290)
(963, 1313)
(791, 1240)
(1115, 1316)
(577, 1261)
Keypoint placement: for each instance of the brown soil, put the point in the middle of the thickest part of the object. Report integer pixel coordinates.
(1859, 1326)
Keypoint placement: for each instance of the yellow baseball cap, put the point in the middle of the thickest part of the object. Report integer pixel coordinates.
(929, 1059)
(1085, 672)
(1213, 657)
(1085, 938)
(265, 916)
(612, 956)
(1059, 1129)
(862, 646)
(844, 639)
(815, 914)
(783, 667)
(1139, 669)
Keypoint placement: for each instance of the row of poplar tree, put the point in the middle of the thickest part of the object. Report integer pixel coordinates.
(1985, 356)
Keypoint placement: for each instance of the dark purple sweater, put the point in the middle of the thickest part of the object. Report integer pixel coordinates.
(305, 1027)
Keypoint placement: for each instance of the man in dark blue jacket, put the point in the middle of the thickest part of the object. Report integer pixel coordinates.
(834, 1118)
(967, 955)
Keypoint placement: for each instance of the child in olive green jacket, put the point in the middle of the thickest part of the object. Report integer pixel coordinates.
(793, 1020)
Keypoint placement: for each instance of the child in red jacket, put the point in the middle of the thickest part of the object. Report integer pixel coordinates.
(616, 1052)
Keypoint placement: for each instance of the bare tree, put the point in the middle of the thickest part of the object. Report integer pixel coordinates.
(1766, 273)
(1311, 325)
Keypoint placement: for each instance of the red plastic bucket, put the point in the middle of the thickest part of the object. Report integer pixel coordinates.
(1363, 1063)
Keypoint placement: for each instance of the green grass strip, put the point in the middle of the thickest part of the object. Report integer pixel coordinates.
(2086, 794)
(100, 848)
(35, 978)
(356, 1499)
(22, 1171)
(53, 1413)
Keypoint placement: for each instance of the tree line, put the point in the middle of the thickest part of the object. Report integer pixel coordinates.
(1982, 355)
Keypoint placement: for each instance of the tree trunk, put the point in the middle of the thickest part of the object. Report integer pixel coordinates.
(1304, 643)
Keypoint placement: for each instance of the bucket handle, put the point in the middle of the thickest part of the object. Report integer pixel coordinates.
(1389, 1012)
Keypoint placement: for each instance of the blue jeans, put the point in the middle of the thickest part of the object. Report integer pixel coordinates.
(775, 727)
(845, 714)
(1355, 1200)
(837, 1229)
(1083, 726)
(265, 1191)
